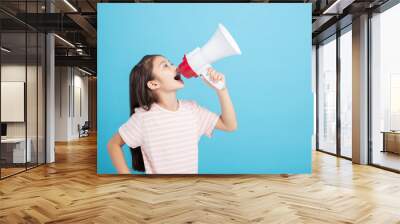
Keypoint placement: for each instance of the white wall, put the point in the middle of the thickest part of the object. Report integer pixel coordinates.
(69, 82)
(10, 73)
(61, 103)
(80, 83)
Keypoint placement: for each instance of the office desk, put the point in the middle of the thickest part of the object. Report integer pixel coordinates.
(391, 141)
(13, 150)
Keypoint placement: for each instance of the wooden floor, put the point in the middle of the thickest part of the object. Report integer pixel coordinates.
(5, 172)
(70, 191)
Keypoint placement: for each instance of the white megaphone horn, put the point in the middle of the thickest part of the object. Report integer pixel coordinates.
(197, 62)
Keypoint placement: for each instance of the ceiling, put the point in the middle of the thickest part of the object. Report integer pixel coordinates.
(76, 22)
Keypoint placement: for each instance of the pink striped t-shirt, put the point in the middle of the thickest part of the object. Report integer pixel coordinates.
(169, 139)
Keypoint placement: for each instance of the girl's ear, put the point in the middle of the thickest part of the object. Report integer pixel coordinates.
(153, 84)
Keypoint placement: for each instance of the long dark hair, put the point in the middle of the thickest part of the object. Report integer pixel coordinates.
(141, 96)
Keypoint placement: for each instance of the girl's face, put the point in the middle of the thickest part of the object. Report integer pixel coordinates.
(166, 76)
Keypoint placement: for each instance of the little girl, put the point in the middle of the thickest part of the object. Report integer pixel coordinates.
(163, 132)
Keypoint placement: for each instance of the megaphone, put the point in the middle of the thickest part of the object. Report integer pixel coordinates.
(196, 63)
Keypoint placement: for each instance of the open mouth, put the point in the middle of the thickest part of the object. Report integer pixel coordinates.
(178, 77)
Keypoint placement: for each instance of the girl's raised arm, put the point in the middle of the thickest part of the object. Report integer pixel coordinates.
(227, 120)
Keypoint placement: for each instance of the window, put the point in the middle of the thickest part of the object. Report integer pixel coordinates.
(385, 88)
(346, 93)
(327, 95)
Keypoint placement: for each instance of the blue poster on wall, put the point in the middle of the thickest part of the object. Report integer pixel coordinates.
(204, 88)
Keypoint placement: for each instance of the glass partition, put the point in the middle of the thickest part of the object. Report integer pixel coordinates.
(22, 89)
(14, 154)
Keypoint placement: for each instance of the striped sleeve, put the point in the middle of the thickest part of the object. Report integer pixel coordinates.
(206, 120)
(131, 131)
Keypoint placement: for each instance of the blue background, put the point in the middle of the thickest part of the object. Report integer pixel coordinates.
(270, 83)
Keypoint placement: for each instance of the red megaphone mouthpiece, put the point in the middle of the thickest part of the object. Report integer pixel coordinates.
(185, 69)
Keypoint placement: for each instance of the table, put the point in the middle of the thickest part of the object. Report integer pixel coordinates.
(391, 141)
(13, 150)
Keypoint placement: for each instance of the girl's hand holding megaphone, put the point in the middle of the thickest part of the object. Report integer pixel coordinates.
(215, 76)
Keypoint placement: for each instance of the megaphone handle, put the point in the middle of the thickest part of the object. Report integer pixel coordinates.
(219, 85)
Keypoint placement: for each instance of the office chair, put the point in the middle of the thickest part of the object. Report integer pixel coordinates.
(84, 130)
